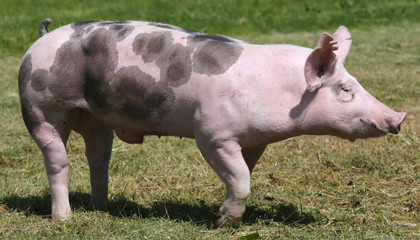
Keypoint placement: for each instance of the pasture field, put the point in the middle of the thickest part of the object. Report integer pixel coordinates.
(307, 187)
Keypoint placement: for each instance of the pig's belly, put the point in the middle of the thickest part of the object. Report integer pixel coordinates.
(133, 131)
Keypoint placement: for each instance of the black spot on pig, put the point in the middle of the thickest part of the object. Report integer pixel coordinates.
(101, 56)
(216, 37)
(84, 69)
(66, 75)
(176, 68)
(129, 91)
(211, 54)
(215, 57)
(96, 93)
(139, 96)
(174, 60)
(82, 27)
(39, 80)
(122, 31)
(25, 73)
(150, 45)
(64, 79)
(83, 72)
(29, 117)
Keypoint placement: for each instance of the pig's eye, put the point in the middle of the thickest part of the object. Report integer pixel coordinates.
(346, 95)
(346, 88)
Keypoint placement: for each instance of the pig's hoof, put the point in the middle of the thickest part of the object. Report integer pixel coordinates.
(225, 221)
(61, 216)
(230, 212)
(228, 218)
(100, 205)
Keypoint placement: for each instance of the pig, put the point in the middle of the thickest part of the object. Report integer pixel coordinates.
(234, 98)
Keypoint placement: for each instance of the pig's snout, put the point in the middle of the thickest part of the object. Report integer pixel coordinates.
(394, 124)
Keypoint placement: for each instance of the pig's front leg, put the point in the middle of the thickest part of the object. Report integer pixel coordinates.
(225, 157)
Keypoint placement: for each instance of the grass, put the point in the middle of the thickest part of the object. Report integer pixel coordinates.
(20, 18)
(305, 187)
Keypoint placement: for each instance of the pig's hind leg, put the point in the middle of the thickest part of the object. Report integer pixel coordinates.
(226, 159)
(50, 128)
(98, 141)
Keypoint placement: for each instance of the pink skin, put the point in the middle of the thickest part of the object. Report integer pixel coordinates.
(271, 93)
(354, 113)
(293, 97)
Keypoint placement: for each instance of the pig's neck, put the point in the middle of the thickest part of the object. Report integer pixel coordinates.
(285, 100)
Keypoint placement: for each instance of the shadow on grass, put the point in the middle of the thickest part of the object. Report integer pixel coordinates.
(197, 213)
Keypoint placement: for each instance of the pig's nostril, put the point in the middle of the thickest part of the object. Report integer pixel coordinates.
(395, 129)
(398, 128)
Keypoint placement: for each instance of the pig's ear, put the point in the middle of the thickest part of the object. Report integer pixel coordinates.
(343, 38)
(320, 64)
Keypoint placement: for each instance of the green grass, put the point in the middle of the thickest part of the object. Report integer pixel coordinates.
(306, 187)
(20, 18)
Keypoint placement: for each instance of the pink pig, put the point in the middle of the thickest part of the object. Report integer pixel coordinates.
(232, 97)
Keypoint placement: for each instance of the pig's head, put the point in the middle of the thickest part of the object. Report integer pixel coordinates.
(337, 104)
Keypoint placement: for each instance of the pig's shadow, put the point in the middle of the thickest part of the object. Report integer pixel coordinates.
(303, 104)
(199, 213)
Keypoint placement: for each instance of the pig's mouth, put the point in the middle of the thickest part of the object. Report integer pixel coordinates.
(371, 130)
